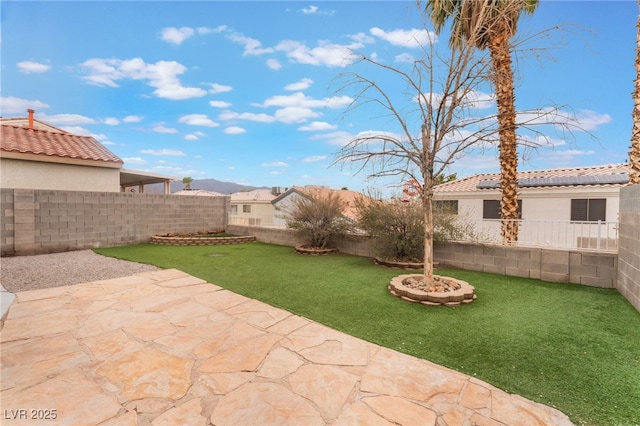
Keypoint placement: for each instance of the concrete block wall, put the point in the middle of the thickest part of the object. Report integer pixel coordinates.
(586, 268)
(46, 221)
(564, 266)
(628, 283)
(350, 244)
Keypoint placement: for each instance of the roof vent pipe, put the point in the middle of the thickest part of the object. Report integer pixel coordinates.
(30, 111)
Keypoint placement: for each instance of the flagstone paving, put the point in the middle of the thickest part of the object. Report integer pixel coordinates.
(166, 348)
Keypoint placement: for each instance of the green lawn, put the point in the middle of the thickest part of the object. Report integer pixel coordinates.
(572, 347)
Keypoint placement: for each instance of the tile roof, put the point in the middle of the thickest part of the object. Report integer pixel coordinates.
(54, 144)
(264, 195)
(24, 122)
(199, 192)
(600, 176)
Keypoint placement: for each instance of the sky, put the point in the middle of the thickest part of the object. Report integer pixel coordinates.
(250, 92)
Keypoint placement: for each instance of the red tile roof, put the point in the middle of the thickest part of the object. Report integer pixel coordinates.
(572, 177)
(64, 145)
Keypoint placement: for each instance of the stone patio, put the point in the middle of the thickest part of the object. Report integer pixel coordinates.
(166, 348)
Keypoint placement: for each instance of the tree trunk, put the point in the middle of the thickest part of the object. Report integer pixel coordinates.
(500, 51)
(634, 153)
(427, 205)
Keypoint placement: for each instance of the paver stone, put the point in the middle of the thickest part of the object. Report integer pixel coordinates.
(401, 411)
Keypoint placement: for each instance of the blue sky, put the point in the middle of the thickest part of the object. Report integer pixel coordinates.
(246, 91)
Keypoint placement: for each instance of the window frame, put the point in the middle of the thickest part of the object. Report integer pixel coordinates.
(588, 210)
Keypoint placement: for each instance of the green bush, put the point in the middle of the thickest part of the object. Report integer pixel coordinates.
(396, 227)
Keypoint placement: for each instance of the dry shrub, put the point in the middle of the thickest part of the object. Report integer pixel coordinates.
(316, 217)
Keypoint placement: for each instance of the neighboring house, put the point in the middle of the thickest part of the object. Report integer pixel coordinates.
(199, 193)
(571, 198)
(252, 208)
(285, 201)
(36, 155)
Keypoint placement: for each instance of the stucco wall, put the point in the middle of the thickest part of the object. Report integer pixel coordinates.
(41, 175)
(44, 221)
(628, 283)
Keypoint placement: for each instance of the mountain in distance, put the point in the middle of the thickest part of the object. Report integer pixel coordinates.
(206, 184)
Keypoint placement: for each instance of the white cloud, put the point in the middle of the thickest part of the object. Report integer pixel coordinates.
(132, 119)
(317, 126)
(194, 136)
(590, 120)
(275, 164)
(176, 35)
(161, 128)
(413, 38)
(315, 10)
(303, 84)
(197, 120)
(31, 67)
(405, 57)
(274, 64)
(234, 130)
(251, 45)
(163, 152)
(204, 30)
(582, 120)
(219, 88)
(338, 138)
(248, 116)
(314, 158)
(163, 76)
(67, 119)
(299, 99)
(111, 121)
(276, 173)
(76, 130)
(220, 104)
(295, 114)
(326, 53)
(134, 160)
(13, 105)
(309, 10)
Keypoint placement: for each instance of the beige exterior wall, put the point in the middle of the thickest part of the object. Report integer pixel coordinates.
(261, 214)
(547, 204)
(56, 176)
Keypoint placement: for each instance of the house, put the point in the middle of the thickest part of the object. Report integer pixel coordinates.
(566, 199)
(199, 193)
(36, 155)
(252, 208)
(285, 201)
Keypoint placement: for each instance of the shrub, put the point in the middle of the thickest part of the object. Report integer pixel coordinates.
(396, 228)
(316, 217)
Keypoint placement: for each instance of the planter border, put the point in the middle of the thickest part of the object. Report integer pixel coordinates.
(462, 296)
(201, 241)
(315, 251)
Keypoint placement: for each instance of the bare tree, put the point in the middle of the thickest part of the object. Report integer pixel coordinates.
(441, 124)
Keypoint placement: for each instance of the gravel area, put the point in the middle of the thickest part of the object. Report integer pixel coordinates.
(22, 273)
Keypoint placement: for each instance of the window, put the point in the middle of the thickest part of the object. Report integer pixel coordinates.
(446, 206)
(588, 210)
(246, 208)
(491, 209)
(234, 209)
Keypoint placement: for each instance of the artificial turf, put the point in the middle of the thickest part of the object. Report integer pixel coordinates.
(571, 347)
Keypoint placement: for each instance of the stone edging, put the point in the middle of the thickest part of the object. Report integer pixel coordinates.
(200, 241)
(453, 298)
(315, 251)
(402, 265)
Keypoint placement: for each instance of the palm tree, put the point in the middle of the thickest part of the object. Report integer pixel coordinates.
(490, 24)
(634, 154)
